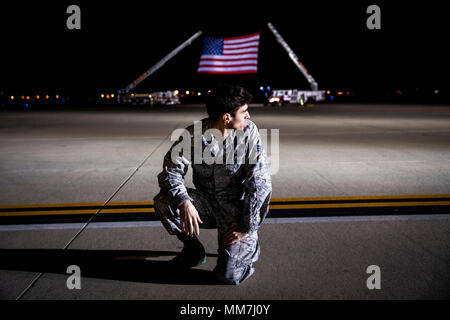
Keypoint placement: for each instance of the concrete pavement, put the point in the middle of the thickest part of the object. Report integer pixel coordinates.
(329, 150)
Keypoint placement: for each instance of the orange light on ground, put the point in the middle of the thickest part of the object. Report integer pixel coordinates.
(28, 97)
(22, 97)
(107, 96)
(348, 93)
(47, 96)
(37, 97)
(340, 93)
(57, 96)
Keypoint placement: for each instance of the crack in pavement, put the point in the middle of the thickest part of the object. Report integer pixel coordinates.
(35, 280)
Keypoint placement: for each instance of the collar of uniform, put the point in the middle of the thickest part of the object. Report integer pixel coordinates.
(207, 124)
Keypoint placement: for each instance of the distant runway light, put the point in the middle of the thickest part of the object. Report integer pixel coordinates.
(331, 97)
(26, 105)
(57, 96)
(436, 91)
(187, 91)
(176, 92)
(107, 96)
(47, 96)
(261, 88)
(112, 95)
(37, 97)
(328, 92)
(22, 97)
(340, 93)
(28, 97)
(12, 97)
(199, 94)
(102, 95)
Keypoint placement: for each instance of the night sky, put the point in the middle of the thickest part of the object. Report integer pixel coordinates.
(120, 40)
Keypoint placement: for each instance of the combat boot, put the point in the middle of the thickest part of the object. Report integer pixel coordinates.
(192, 255)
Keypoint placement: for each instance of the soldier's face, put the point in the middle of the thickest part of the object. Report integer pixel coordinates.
(238, 121)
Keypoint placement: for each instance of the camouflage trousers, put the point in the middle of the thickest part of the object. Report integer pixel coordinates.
(235, 261)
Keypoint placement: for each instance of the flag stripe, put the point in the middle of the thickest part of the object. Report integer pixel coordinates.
(229, 69)
(228, 72)
(242, 45)
(228, 63)
(242, 39)
(231, 57)
(251, 49)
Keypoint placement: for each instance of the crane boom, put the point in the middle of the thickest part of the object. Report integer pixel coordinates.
(294, 58)
(160, 63)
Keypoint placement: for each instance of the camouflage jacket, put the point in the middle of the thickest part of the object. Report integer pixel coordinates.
(239, 178)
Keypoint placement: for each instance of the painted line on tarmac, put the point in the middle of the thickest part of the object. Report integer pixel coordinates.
(90, 218)
(71, 214)
(429, 197)
(360, 205)
(76, 226)
(147, 224)
(359, 218)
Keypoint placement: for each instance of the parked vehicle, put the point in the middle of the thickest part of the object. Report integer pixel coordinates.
(153, 98)
(295, 96)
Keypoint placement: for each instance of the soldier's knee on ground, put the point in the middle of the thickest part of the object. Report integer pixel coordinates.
(231, 269)
(234, 276)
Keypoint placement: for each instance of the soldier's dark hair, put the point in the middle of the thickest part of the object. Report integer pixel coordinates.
(226, 98)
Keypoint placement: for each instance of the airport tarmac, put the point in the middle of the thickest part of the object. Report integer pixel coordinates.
(61, 170)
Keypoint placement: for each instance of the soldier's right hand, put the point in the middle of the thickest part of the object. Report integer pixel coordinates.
(189, 218)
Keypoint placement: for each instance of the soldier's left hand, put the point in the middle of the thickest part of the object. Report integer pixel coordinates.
(233, 235)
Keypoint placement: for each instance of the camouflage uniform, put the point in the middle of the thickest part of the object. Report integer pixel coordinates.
(236, 189)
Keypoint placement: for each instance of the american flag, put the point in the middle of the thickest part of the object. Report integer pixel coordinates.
(230, 55)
